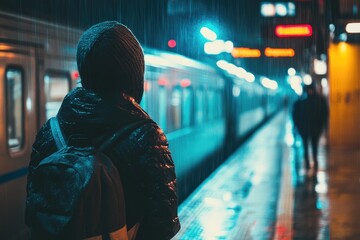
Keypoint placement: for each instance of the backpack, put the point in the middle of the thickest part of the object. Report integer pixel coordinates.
(76, 192)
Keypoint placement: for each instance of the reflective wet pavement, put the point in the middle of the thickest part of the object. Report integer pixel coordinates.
(344, 193)
(239, 200)
(263, 192)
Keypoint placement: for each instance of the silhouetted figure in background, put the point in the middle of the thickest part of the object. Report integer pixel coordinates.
(310, 114)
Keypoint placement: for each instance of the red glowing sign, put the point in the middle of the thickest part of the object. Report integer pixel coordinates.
(172, 43)
(296, 30)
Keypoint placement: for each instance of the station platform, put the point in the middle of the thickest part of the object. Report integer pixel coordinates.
(263, 192)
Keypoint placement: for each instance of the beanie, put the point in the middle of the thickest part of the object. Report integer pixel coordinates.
(110, 60)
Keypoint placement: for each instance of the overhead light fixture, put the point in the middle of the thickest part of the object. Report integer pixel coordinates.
(208, 33)
(352, 28)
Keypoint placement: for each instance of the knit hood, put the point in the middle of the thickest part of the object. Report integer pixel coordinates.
(110, 60)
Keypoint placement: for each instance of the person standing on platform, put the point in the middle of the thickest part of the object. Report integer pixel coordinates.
(111, 66)
(310, 116)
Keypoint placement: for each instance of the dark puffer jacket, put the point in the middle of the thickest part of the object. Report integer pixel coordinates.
(143, 159)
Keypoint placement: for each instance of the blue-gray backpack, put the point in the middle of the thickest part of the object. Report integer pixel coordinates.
(76, 192)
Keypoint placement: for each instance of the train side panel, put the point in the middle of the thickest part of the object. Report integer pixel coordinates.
(28, 49)
(193, 118)
(17, 99)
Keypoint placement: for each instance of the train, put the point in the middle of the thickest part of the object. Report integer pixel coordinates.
(204, 112)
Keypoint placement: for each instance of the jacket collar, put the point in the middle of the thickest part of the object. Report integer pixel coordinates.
(84, 111)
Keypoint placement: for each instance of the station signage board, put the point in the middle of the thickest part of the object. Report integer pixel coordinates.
(293, 30)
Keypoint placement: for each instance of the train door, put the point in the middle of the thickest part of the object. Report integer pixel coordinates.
(57, 76)
(17, 130)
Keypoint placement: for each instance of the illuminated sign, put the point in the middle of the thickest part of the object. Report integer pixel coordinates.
(245, 53)
(298, 30)
(279, 52)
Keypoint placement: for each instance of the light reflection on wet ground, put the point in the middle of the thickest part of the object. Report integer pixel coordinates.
(344, 193)
(239, 200)
(244, 198)
(311, 204)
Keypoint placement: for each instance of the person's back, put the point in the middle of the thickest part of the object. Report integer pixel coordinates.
(111, 67)
(310, 114)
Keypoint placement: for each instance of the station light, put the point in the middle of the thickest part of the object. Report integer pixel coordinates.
(332, 27)
(75, 75)
(320, 67)
(162, 81)
(172, 43)
(352, 28)
(268, 10)
(185, 83)
(279, 52)
(295, 30)
(229, 46)
(157, 60)
(281, 9)
(307, 79)
(268, 83)
(295, 83)
(277, 9)
(343, 37)
(147, 85)
(249, 77)
(215, 47)
(222, 64)
(235, 70)
(291, 71)
(236, 91)
(208, 33)
(324, 82)
(242, 52)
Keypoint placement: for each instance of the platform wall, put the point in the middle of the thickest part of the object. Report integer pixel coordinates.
(344, 80)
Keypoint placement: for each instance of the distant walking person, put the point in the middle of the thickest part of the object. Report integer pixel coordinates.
(310, 115)
(111, 66)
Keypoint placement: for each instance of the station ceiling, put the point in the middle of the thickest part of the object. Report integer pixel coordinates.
(157, 21)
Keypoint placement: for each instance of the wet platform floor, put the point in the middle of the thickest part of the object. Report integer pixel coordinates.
(263, 192)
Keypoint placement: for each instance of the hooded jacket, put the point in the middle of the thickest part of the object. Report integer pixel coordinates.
(143, 159)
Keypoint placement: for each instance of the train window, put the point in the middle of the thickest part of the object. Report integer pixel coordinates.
(56, 86)
(187, 107)
(219, 104)
(162, 108)
(211, 100)
(15, 107)
(150, 101)
(175, 110)
(200, 106)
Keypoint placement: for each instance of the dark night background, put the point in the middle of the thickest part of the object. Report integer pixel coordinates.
(155, 22)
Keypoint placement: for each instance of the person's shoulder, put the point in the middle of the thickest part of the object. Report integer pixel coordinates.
(151, 131)
(43, 144)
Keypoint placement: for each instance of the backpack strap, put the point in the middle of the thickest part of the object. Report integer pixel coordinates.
(117, 136)
(122, 133)
(57, 134)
